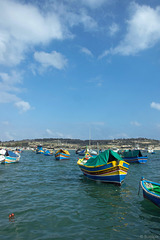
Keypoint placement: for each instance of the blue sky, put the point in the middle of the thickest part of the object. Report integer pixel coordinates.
(79, 69)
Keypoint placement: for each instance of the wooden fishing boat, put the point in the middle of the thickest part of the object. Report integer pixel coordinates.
(151, 191)
(133, 156)
(62, 154)
(39, 149)
(18, 150)
(11, 157)
(48, 153)
(87, 150)
(107, 167)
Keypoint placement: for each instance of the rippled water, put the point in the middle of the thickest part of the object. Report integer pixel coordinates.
(53, 200)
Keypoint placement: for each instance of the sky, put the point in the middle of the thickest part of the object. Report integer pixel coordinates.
(81, 69)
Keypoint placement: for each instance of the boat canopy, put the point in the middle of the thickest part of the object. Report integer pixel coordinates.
(103, 158)
(132, 153)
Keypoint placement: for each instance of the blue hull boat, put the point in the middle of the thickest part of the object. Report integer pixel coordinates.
(133, 156)
(107, 167)
(151, 191)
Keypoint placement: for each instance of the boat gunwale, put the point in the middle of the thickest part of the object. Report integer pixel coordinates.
(79, 162)
(147, 190)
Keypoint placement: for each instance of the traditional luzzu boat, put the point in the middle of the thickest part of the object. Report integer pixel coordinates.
(133, 156)
(48, 153)
(151, 191)
(10, 157)
(62, 154)
(39, 149)
(107, 167)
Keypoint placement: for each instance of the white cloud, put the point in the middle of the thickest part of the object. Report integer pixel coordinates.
(119, 135)
(97, 81)
(86, 51)
(113, 29)
(9, 136)
(10, 81)
(143, 31)
(135, 123)
(88, 22)
(98, 123)
(6, 123)
(53, 59)
(22, 25)
(23, 106)
(94, 3)
(48, 131)
(155, 105)
(9, 87)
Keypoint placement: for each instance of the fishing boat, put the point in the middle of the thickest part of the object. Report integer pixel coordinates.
(107, 167)
(151, 191)
(82, 152)
(48, 153)
(133, 156)
(150, 150)
(18, 150)
(93, 152)
(87, 150)
(10, 157)
(39, 149)
(62, 154)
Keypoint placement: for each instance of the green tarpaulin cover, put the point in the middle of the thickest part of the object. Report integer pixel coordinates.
(132, 153)
(103, 158)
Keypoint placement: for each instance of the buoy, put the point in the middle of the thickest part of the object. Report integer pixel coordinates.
(11, 215)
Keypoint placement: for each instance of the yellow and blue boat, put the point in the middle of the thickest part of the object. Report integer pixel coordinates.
(39, 149)
(107, 167)
(48, 153)
(10, 157)
(62, 154)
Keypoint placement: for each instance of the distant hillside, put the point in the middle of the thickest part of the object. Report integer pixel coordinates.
(75, 143)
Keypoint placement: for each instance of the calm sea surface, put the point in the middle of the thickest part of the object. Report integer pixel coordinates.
(53, 200)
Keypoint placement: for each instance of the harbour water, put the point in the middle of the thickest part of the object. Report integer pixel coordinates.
(53, 200)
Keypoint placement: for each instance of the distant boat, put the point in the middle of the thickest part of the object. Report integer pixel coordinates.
(151, 151)
(10, 157)
(151, 191)
(115, 150)
(62, 154)
(78, 150)
(48, 153)
(92, 152)
(82, 152)
(107, 167)
(39, 149)
(133, 156)
(87, 150)
(18, 150)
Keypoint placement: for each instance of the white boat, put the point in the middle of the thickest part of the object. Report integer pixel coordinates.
(115, 150)
(92, 152)
(8, 156)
